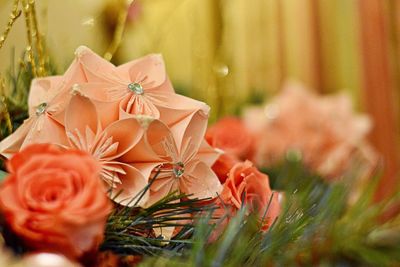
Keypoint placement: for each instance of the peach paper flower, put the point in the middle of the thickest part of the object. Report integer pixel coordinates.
(48, 98)
(140, 87)
(54, 200)
(181, 155)
(323, 130)
(107, 145)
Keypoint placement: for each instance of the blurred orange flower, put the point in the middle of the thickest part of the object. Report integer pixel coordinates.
(223, 165)
(235, 143)
(54, 200)
(231, 135)
(323, 131)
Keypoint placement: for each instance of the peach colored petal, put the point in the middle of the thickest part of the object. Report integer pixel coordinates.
(58, 102)
(45, 130)
(132, 184)
(95, 68)
(141, 153)
(127, 133)
(42, 90)
(181, 103)
(12, 143)
(168, 186)
(189, 133)
(99, 91)
(200, 181)
(174, 107)
(80, 114)
(137, 105)
(151, 67)
(107, 112)
(163, 178)
(146, 168)
(207, 153)
(166, 232)
(149, 150)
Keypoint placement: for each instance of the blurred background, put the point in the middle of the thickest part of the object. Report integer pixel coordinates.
(233, 52)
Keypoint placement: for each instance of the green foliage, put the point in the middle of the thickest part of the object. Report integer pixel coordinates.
(14, 90)
(2, 175)
(131, 231)
(320, 225)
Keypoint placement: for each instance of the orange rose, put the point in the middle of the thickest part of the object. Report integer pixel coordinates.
(54, 200)
(223, 165)
(246, 183)
(231, 135)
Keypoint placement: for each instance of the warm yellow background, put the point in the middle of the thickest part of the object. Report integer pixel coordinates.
(258, 42)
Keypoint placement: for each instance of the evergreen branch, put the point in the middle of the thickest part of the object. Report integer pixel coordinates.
(318, 226)
(130, 230)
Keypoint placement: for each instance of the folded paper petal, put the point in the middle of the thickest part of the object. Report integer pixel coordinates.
(175, 108)
(12, 143)
(200, 182)
(208, 154)
(80, 114)
(95, 68)
(127, 133)
(42, 91)
(58, 101)
(107, 112)
(167, 187)
(149, 149)
(46, 130)
(189, 133)
(132, 184)
(150, 67)
(137, 105)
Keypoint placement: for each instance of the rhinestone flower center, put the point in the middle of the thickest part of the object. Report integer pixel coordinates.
(40, 109)
(137, 88)
(178, 169)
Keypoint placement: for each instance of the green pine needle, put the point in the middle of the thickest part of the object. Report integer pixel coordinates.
(317, 227)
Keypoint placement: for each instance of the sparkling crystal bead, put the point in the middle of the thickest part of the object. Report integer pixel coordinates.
(136, 88)
(178, 169)
(41, 108)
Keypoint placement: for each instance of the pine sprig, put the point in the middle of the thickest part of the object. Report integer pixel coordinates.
(14, 97)
(131, 230)
(318, 226)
